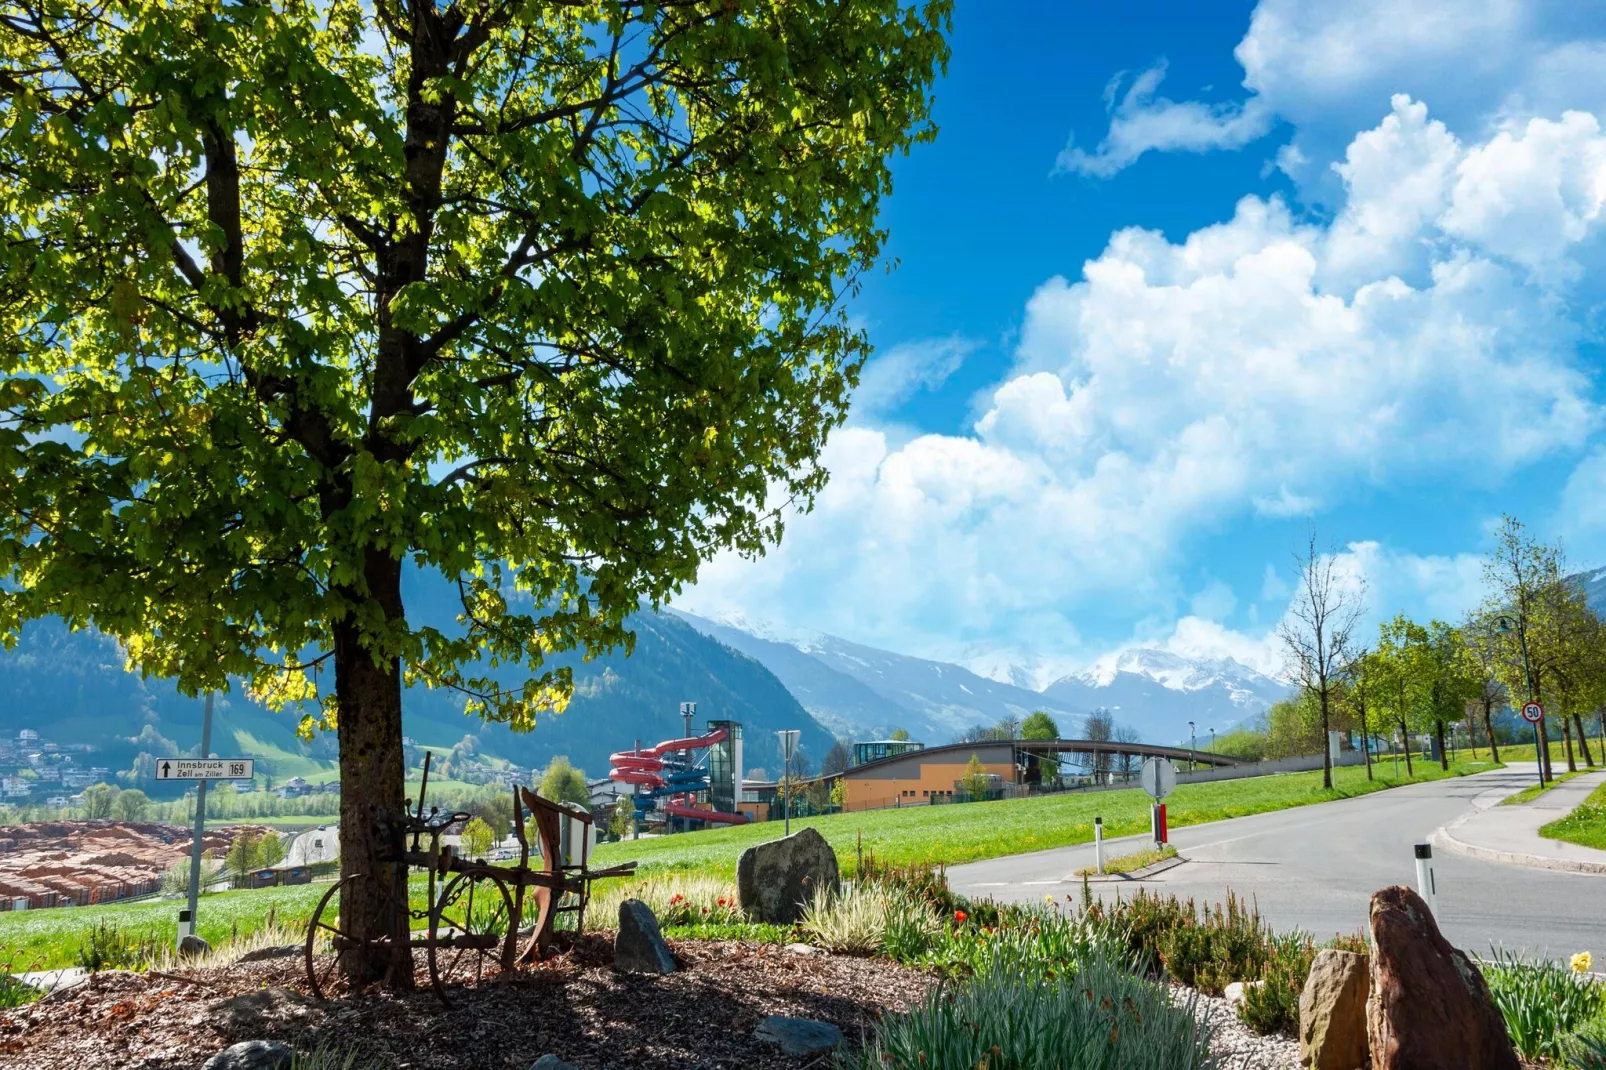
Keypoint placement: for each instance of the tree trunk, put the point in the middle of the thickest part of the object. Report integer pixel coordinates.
(1366, 743)
(1488, 727)
(1583, 740)
(372, 786)
(1567, 742)
(1405, 736)
(1327, 749)
(1444, 755)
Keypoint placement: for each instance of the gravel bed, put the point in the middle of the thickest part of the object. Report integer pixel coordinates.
(574, 1006)
(1239, 1048)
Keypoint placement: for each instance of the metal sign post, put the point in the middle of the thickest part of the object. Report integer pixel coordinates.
(200, 825)
(789, 737)
(1159, 779)
(1533, 713)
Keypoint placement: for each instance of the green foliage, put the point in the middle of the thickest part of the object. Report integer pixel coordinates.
(131, 804)
(622, 821)
(975, 781)
(1246, 743)
(244, 855)
(477, 838)
(1294, 727)
(99, 799)
(107, 947)
(899, 735)
(1096, 1016)
(561, 782)
(1212, 947)
(1039, 725)
(1543, 1002)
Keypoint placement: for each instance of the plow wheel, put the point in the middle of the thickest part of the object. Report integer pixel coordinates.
(471, 927)
(328, 944)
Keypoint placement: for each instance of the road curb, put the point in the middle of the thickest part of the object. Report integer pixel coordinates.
(1135, 875)
(1443, 837)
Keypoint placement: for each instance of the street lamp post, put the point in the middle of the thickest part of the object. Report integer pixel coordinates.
(1212, 741)
(1192, 746)
(788, 747)
(1541, 748)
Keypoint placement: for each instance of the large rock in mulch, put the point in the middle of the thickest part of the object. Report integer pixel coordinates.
(1429, 1007)
(252, 1055)
(798, 1036)
(639, 947)
(193, 947)
(264, 954)
(552, 1062)
(1332, 1012)
(775, 879)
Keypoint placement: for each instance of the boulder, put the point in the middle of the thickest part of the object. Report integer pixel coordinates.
(639, 947)
(798, 1036)
(252, 1055)
(775, 879)
(1332, 1012)
(263, 954)
(1236, 991)
(1429, 1007)
(192, 947)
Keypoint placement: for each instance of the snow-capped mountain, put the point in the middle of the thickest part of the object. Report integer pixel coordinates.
(863, 692)
(1159, 692)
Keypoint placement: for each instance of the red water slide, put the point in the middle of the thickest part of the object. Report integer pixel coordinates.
(639, 759)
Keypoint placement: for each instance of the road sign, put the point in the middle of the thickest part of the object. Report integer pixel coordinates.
(789, 742)
(204, 768)
(1532, 712)
(1159, 777)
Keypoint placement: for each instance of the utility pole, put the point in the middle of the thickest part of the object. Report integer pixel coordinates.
(1192, 746)
(200, 825)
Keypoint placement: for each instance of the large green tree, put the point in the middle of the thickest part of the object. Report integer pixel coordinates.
(542, 299)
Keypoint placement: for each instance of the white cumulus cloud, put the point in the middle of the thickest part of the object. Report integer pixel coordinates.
(1264, 365)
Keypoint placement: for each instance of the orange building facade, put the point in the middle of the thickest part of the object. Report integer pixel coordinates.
(912, 779)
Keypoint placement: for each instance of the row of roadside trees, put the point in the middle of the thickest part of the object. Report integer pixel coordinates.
(1534, 638)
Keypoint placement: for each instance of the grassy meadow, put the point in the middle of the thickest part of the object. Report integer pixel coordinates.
(970, 832)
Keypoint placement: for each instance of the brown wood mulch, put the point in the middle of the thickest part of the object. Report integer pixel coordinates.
(573, 1005)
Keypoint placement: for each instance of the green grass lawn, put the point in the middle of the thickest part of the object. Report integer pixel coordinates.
(41, 939)
(46, 939)
(1585, 826)
(971, 831)
(1533, 791)
(1558, 753)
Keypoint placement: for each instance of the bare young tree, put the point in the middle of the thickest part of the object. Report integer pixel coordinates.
(1318, 634)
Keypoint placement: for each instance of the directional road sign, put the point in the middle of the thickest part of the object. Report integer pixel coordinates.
(1159, 777)
(204, 768)
(1532, 712)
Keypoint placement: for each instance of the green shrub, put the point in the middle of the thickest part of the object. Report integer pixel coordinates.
(106, 947)
(1031, 943)
(1095, 1016)
(1586, 1049)
(1544, 1003)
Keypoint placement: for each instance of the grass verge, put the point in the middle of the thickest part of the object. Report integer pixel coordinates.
(970, 832)
(1585, 826)
(1134, 861)
(1532, 792)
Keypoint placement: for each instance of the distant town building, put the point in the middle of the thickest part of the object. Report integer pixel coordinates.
(28, 735)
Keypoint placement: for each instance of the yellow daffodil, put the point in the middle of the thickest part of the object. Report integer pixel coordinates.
(1581, 962)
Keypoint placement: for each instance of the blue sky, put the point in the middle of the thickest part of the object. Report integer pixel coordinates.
(1179, 282)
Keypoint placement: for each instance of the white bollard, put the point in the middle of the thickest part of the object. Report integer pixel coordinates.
(1098, 843)
(1426, 886)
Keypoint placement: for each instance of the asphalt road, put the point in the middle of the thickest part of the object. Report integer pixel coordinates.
(1316, 867)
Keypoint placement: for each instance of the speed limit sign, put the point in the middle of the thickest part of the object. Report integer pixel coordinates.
(1532, 712)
